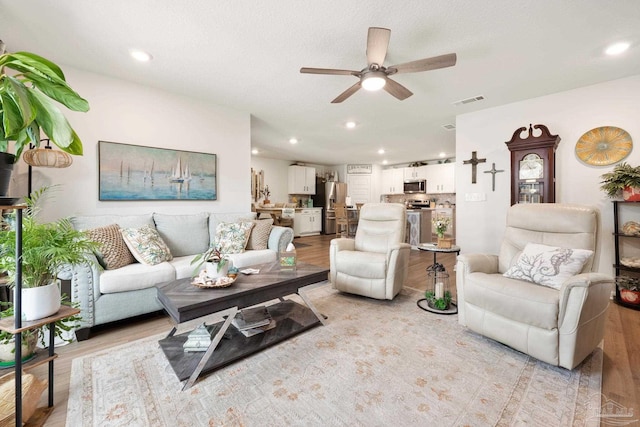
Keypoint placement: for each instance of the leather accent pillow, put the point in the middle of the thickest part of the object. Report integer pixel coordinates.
(232, 237)
(259, 237)
(548, 265)
(146, 245)
(113, 252)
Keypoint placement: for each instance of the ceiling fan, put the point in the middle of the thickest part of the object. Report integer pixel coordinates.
(375, 76)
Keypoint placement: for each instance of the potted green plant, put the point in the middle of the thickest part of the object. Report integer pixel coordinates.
(26, 108)
(629, 288)
(46, 247)
(216, 264)
(623, 179)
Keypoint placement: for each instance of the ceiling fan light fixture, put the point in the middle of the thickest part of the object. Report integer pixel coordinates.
(373, 80)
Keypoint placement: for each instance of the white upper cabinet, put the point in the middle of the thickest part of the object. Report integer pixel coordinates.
(393, 181)
(417, 172)
(441, 178)
(302, 180)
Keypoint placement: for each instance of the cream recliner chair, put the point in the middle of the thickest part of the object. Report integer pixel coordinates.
(375, 263)
(560, 327)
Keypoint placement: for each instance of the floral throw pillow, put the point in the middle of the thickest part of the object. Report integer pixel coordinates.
(146, 245)
(548, 265)
(231, 237)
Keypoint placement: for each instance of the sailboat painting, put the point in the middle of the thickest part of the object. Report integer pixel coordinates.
(135, 172)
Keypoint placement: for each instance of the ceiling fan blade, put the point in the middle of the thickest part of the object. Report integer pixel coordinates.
(397, 90)
(426, 64)
(377, 44)
(347, 93)
(308, 70)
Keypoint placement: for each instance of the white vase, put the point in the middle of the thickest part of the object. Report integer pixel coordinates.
(41, 301)
(212, 270)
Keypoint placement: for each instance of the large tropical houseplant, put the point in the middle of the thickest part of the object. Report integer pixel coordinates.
(27, 108)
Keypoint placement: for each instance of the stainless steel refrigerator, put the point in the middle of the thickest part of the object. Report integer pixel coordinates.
(328, 193)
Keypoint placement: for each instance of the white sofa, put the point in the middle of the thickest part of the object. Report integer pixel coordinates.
(109, 295)
(558, 326)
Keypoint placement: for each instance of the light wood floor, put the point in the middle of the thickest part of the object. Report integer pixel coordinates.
(621, 375)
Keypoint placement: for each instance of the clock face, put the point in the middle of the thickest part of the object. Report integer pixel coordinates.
(531, 167)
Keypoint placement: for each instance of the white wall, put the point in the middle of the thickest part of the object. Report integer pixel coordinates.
(567, 114)
(134, 114)
(276, 176)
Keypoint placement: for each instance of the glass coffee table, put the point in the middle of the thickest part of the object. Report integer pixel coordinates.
(184, 302)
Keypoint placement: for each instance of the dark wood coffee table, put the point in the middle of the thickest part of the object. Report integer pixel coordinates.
(184, 301)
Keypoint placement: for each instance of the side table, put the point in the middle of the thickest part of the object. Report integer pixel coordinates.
(424, 303)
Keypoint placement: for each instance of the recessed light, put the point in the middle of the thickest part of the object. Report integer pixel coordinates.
(381, 151)
(617, 48)
(140, 55)
(350, 125)
(293, 141)
(442, 154)
(384, 162)
(254, 151)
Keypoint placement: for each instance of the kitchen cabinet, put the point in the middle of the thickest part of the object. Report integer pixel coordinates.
(416, 172)
(393, 181)
(302, 180)
(441, 178)
(307, 222)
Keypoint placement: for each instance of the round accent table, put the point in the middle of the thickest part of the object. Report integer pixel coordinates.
(430, 247)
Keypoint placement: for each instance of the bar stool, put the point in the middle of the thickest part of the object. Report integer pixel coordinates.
(342, 218)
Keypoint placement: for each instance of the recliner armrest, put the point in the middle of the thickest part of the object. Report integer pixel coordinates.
(342, 244)
(587, 291)
(479, 263)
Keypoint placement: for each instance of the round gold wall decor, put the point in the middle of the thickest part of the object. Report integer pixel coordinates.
(604, 146)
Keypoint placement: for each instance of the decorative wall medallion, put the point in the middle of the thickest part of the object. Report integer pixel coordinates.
(604, 146)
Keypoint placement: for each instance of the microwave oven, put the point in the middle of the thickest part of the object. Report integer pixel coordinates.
(414, 186)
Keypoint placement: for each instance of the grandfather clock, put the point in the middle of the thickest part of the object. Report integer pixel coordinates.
(533, 166)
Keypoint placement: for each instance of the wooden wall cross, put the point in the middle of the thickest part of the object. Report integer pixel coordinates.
(493, 171)
(473, 161)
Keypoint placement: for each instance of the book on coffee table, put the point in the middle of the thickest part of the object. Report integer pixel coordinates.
(255, 331)
(251, 318)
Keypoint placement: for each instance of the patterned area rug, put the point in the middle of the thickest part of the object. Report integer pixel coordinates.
(375, 363)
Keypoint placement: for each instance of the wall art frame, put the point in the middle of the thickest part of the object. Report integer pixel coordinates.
(134, 172)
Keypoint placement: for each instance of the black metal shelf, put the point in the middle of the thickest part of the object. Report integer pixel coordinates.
(617, 265)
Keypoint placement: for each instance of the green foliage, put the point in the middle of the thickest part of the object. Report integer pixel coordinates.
(46, 247)
(623, 175)
(438, 303)
(211, 255)
(26, 105)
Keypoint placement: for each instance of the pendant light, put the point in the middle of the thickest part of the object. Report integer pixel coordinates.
(47, 157)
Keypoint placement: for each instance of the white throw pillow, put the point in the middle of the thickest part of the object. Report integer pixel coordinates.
(548, 265)
(146, 245)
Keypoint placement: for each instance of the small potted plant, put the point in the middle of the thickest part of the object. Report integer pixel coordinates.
(623, 179)
(216, 264)
(629, 288)
(265, 192)
(440, 225)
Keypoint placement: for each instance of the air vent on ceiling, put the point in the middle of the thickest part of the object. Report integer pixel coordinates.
(469, 100)
(449, 126)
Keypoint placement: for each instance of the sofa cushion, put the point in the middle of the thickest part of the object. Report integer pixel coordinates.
(146, 245)
(231, 237)
(113, 252)
(259, 237)
(134, 277)
(184, 234)
(517, 300)
(183, 267)
(86, 222)
(217, 218)
(370, 265)
(548, 265)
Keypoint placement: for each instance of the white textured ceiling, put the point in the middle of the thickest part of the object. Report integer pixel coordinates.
(246, 55)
